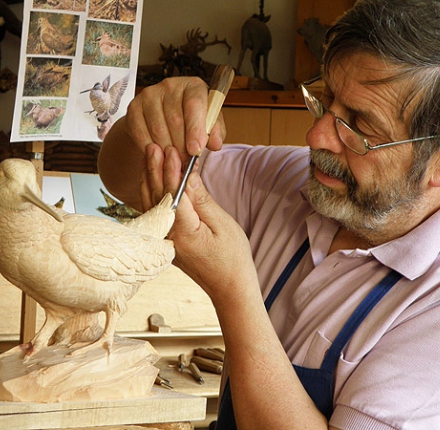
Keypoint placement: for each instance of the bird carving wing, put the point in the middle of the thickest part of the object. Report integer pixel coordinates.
(116, 92)
(109, 251)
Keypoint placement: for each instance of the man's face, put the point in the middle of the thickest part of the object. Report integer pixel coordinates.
(362, 192)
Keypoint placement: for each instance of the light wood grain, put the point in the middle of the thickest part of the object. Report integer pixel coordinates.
(174, 295)
(161, 406)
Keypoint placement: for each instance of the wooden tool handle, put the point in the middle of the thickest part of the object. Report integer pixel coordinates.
(221, 81)
(209, 353)
(208, 365)
(195, 372)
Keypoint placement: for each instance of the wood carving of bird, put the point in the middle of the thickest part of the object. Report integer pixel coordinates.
(44, 116)
(105, 100)
(76, 264)
(53, 41)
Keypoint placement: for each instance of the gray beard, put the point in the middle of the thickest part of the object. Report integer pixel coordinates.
(359, 211)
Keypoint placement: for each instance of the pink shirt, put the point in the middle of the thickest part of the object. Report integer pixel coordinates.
(388, 376)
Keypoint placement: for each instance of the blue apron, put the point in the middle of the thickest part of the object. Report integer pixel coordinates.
(319, 383)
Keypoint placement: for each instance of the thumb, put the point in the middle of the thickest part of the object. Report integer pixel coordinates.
(200, 198)
(197, 209)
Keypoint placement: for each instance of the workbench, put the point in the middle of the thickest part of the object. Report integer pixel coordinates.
(161, 406)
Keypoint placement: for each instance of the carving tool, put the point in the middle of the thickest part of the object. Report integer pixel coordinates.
(212, 366)
(220, 83)
(182, 362)
(195, 372)
(209, 353)
(163, 382)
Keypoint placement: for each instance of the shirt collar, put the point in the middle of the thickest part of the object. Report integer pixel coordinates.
(411, 255)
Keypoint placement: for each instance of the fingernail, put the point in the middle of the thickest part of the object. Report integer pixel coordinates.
(194, 148)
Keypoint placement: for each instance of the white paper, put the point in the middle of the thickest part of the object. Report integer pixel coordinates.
(68, 47)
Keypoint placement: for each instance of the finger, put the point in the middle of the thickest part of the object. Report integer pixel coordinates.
(195, 110)
(172, 170)
(153, 109)
(147, 115)
(174, 116)
(135, 123)
(218, 135)
(152, 187)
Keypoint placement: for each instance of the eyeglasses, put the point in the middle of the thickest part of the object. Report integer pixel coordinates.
(349, 137)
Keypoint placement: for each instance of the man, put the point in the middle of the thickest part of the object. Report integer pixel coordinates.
(344, 235)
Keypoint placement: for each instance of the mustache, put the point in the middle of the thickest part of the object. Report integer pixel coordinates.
(328, 163)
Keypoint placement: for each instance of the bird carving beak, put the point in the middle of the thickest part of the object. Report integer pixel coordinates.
(30, 196)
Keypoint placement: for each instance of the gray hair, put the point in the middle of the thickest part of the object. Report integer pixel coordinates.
(406, 34)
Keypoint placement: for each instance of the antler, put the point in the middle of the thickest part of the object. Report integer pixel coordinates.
(197, 42)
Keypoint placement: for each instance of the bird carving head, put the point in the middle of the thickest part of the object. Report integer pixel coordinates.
(19, 187)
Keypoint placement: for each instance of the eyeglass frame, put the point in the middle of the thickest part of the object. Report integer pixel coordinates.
(309, 95)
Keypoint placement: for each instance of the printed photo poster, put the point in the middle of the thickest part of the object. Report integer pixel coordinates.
(78, 64)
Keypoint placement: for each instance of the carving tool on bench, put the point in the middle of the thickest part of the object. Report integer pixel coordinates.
(220, 83)
(182, 362)
(195, 372)
(209, 353)
(207, 364)
(163, 382)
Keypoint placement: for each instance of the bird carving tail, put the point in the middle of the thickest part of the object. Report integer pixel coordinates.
(156, 222)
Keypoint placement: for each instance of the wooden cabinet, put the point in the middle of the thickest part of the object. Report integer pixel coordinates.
(247, 125)
(266, 126)
(289, 126)
(266, 118)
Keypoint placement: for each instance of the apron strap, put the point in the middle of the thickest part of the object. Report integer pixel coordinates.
(332, 356)
(288, 270)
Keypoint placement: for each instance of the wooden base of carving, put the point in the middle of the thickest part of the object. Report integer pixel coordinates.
(53, 375)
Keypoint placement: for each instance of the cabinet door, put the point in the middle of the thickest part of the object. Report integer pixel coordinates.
(247, 125)
(289, 126)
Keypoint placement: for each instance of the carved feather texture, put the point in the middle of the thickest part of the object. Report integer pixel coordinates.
(82, 264)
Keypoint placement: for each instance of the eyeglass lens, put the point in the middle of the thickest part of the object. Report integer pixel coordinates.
(348, 136)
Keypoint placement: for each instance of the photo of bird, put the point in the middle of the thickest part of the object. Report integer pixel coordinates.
(114, 10)
(52, 33)
(47, 77)
(107, 44)
(110, 47)
(53, 41)
(74, 264)
(71, 5)
(105, 100)
(44, 116)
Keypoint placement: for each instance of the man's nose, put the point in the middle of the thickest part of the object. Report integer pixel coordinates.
(323, 134)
